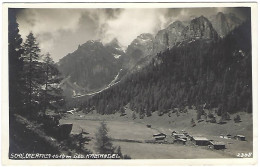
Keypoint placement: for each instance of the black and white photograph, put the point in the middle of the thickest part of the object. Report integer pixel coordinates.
(144, 82)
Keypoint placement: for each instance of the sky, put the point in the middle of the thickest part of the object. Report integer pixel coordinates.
(60, 31)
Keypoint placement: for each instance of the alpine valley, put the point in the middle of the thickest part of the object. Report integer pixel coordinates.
(200, 61)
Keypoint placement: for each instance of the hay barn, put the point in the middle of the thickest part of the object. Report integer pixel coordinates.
(217, 145)
(200, 141)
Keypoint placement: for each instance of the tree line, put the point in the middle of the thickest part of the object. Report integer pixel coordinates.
(214, 74)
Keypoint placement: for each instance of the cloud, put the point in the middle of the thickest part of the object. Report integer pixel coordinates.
(60, 31)
(48, 26)
(131, 23)
(48, 20)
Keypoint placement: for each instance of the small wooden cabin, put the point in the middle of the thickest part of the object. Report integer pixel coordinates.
(240, 137)
(159, 134)
(217, 145)
(159, 137)
(200, 141)
(179, 136)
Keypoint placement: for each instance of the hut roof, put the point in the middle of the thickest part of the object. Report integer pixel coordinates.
(217, 143)
(240, 136)
(159, 134)
(200, 138)
(160, 137)
(178, 134)
(180, 140)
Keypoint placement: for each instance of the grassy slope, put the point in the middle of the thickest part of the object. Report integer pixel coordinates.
(127, 128)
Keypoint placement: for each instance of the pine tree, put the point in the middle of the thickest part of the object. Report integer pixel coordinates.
(134, 115)
(32, 72)
(15, 63)
(206, 117)
(141, 115)
(119, 152)
(177, 114)
(52, 93)
(198, 115)
(103, 143)
(122, 111)
(237, 119)
(148, 113)
(192, 122)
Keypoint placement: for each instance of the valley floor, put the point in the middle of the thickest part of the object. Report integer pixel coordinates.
(131, 135)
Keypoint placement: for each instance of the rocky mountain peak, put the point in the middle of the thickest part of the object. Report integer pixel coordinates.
(201, 22)
(144, 38)
(224, 23)
(114, 42)
(201, 28)
(140, 47)
(91, 44)
(115, 48)
(169, 37)
(91, 67)
(220, 14)
(176, 24)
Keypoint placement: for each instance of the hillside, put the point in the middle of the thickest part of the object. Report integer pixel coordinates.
(91, 67)
(212, 73)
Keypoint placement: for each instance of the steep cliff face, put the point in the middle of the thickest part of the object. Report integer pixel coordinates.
(169, 37)
(145, 47)
(224, 23)
(139, 48)
(200, 28)
(177, 32)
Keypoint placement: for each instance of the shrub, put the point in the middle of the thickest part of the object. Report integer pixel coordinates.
(225, 116)
(148, 113)
(141, 115)
(219, 110)
(169, 114)
(174, 110)
(177, 114)
(198, 115)
(122, 111)
(192, 123)
(213, 120)
(237, 119)
(134, 116)
(210, 116)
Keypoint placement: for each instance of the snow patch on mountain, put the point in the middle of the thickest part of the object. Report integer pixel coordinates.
(116, 56)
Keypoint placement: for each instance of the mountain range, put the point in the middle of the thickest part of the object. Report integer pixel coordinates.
(215, 75)
(93, 66)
